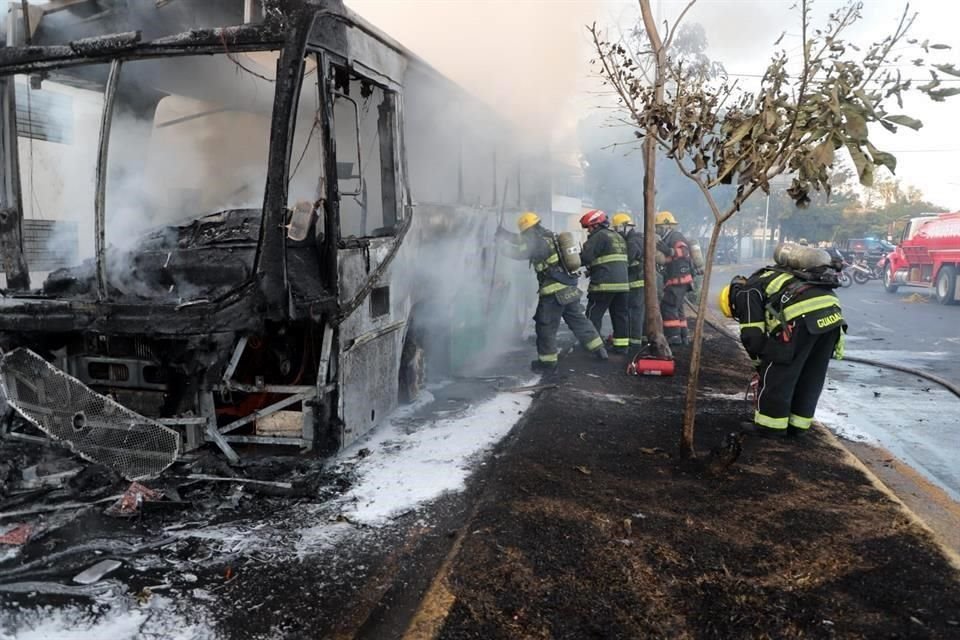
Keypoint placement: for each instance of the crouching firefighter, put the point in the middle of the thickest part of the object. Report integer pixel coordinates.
(623, 223)
(605, 256)
(677, 277)
(791, 325)
(559, 295)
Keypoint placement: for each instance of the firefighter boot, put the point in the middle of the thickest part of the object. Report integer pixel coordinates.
(539, 366)
(601, 353)
(752, 429)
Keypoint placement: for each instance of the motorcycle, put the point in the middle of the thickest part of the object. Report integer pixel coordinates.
(846, 280)
(865, 270)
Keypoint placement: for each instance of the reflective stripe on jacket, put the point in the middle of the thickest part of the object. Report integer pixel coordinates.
(677, 264)
(771, 299)
(605, 255)
(634, 258)
(536, 245)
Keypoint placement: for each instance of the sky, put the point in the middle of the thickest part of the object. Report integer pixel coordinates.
(529, 58)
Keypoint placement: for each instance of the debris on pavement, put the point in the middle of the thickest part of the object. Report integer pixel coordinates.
(131, 500)
(18, 535)
(56, 589)
(97, 572)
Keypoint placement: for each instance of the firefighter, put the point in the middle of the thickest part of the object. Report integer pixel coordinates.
(677, 277)
(623, 223)
(559, 295)
(605, 256)
(790, 324)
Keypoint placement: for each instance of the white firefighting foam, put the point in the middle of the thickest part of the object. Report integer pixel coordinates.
(411, 461)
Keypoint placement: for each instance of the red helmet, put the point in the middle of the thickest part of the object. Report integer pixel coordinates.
(593, 218)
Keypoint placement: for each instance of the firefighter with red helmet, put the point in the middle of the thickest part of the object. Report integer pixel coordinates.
(559, 295)
(791, 325)
(605, 256)
(678, 271)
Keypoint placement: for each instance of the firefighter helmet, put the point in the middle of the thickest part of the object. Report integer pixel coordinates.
(665, 217)
(621, 218)
(725, 301)
(593, 218)
(526, 220)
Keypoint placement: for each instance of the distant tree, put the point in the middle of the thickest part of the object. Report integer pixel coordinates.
(793, 123)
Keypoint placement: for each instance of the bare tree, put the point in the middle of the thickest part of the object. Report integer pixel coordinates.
(718, 134)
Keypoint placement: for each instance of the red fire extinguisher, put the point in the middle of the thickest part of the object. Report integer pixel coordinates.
(645, 364)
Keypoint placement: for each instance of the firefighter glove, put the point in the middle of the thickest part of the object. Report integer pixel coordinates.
(503, 234)
(838, 351)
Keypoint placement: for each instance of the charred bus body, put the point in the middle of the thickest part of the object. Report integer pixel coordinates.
(245, 228)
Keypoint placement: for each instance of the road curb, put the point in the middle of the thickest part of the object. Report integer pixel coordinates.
(952, 556)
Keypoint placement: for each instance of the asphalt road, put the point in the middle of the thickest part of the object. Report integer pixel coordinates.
(908, 327)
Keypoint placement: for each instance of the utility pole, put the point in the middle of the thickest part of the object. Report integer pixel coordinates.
(766, 215)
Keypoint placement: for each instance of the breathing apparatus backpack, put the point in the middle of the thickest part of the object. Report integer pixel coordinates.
(569, 252)
(804, 280)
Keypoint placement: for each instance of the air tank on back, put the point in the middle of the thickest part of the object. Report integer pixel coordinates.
(794, 256)
(569, 252)
(696, 254)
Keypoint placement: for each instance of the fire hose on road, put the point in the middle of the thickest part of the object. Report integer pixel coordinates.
(946, 384)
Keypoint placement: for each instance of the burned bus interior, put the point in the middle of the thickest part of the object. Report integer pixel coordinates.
(207, 230)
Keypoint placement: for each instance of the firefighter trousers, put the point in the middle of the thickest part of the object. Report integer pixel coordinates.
(547, 318)
(599, 302)
(674, 318)
(789, 392)
(637, 310)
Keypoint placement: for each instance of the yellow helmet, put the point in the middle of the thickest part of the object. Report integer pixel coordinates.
(665, 217)
(725, 302)
(527, 220)
(621, 218)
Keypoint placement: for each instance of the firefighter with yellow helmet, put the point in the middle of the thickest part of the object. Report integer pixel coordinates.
(559, 295)
(623, 223)
(678, 272)
(791, 325)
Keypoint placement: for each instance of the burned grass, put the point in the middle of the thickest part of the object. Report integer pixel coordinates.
(591, 528)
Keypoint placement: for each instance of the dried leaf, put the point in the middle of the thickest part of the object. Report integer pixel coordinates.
(939, 95)
(854, 123)
(822, 154)
(949, 69)
(905, 121)
(739, 133)
(582, 469)
(883, 158)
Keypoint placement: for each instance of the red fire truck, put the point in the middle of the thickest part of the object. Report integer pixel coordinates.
(928, 255)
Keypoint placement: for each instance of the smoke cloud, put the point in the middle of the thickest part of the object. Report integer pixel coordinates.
(527, 59)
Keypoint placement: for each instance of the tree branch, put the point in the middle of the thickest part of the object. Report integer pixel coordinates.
(676, 25)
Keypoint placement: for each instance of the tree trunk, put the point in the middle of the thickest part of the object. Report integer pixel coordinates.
(693, 380)
(653, 323)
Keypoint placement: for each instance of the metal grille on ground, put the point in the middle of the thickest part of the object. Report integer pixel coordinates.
(93, 425)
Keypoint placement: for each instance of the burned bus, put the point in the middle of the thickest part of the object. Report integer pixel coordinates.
(242, 234)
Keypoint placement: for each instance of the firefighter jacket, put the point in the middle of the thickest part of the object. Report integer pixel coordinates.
(605, 256)
(772, 303)
(538, 245)
(634, 258)
(677, 264)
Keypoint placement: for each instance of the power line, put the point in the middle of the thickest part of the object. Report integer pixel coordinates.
(760, 75)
